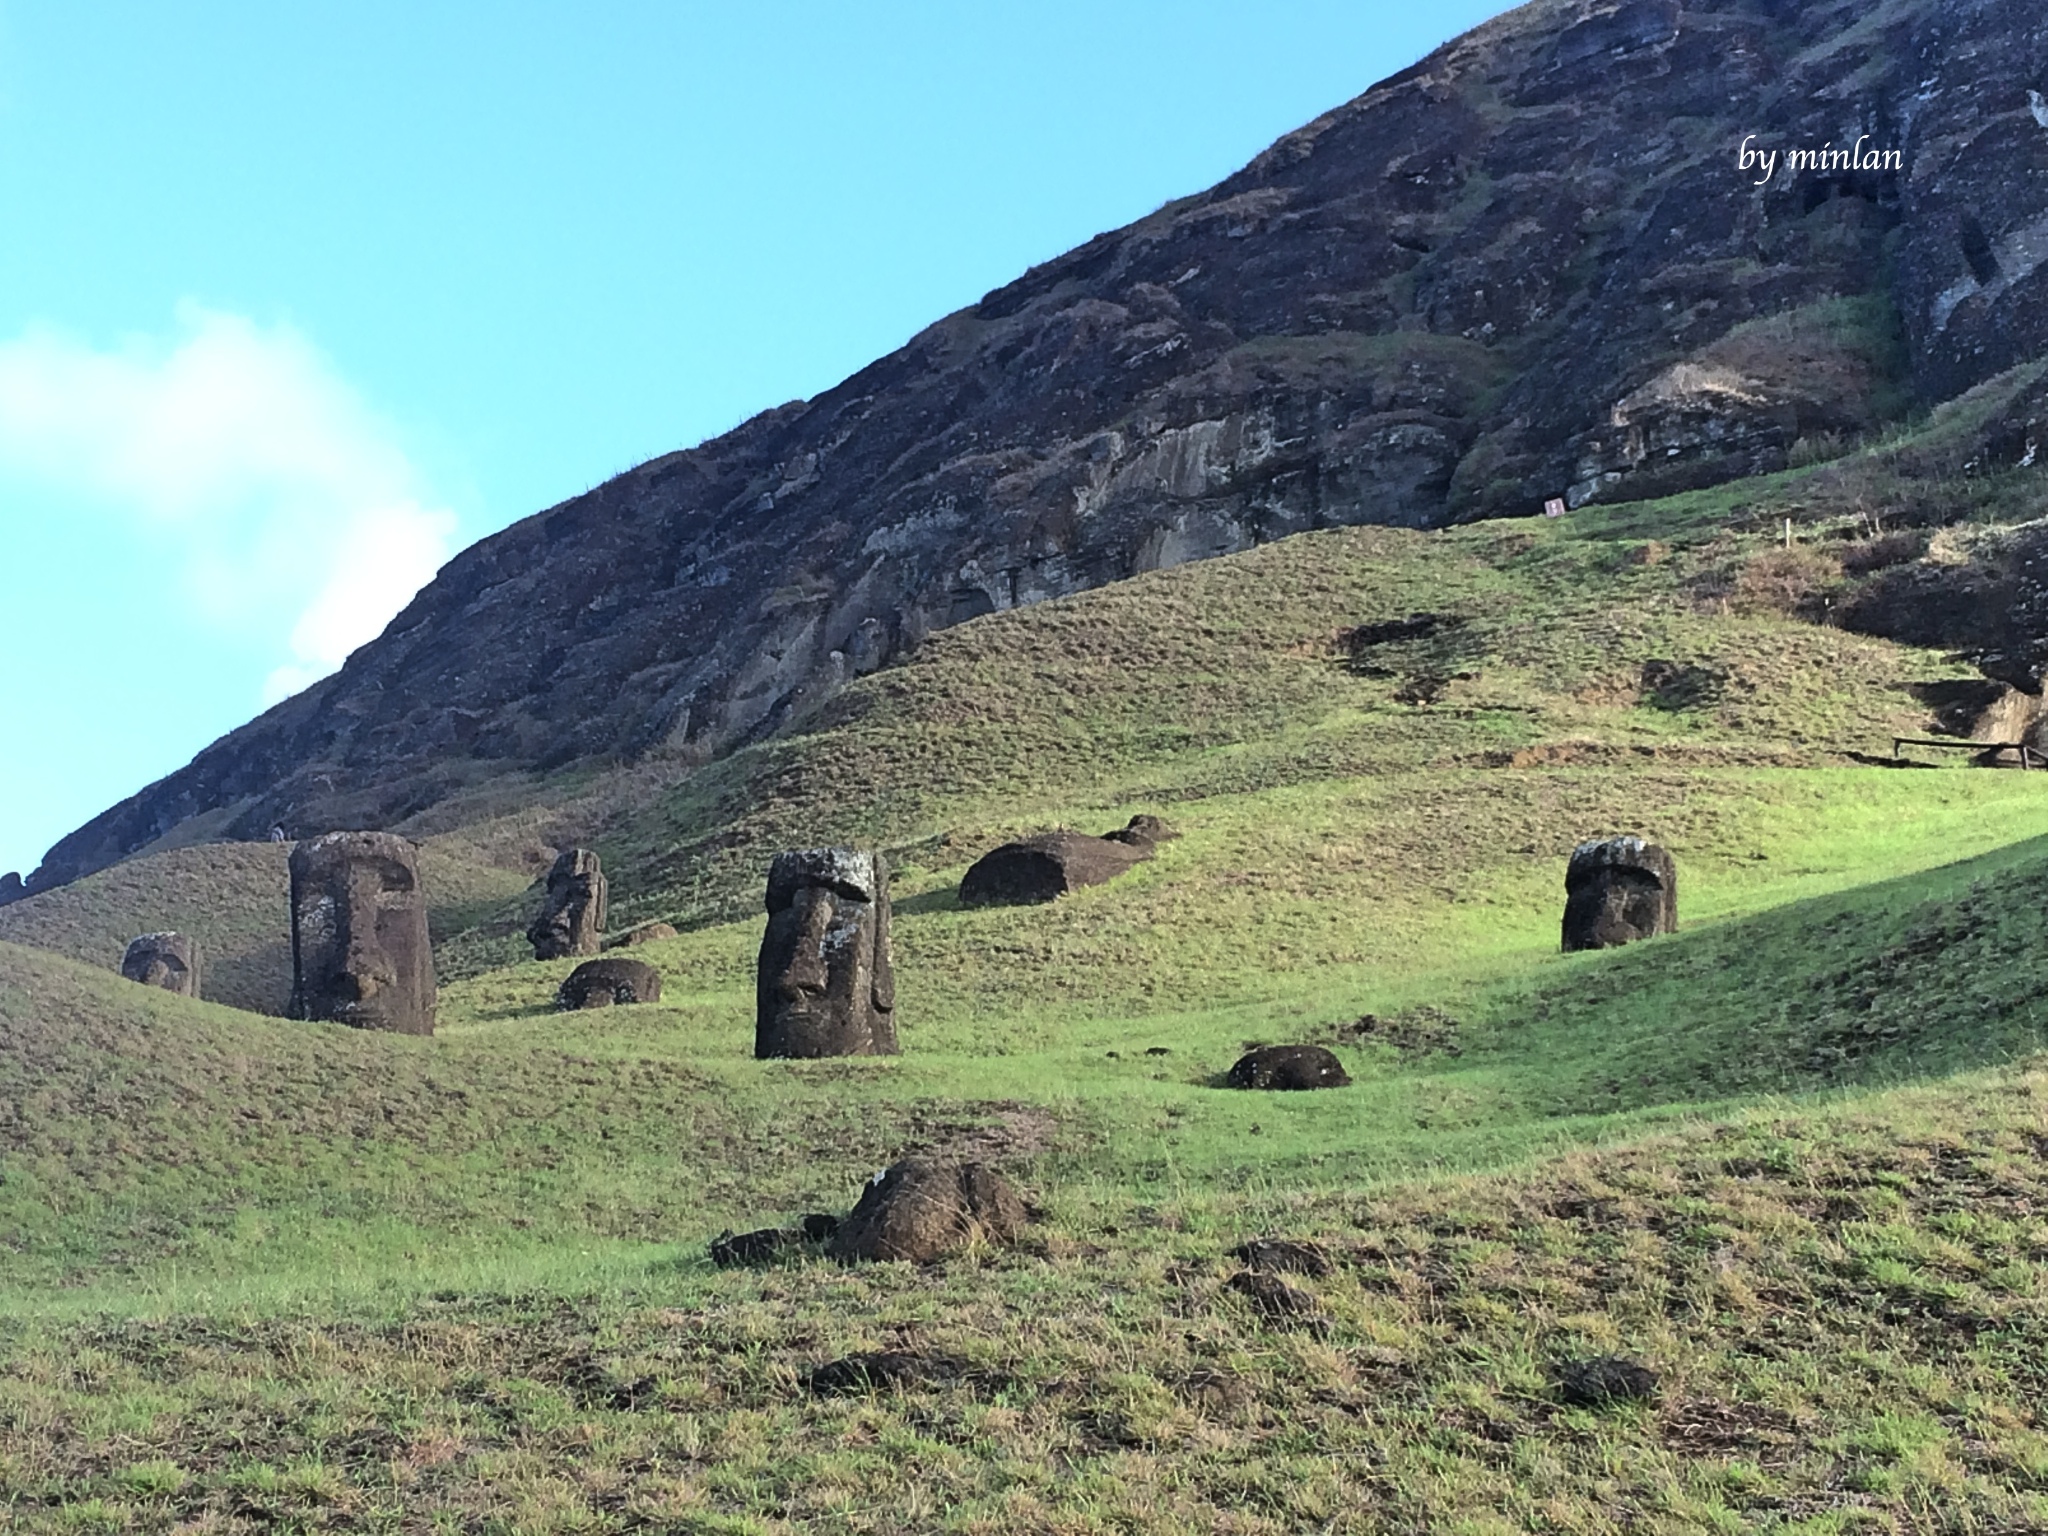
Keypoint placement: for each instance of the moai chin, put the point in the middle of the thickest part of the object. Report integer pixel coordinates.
(360, 952)
(166, 960)
(1618, 890)
(572, 919)
(826, 984)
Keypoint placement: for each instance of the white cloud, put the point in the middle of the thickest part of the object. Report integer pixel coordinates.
(293, 509)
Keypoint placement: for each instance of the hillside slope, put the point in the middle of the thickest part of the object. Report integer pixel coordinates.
(1529, 266)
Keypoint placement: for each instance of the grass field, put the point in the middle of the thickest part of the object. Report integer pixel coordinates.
(257, 1274)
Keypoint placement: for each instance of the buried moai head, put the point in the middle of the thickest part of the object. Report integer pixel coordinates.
(826, 985)
(167, 960)
(360, 953)
(571, 920)
(1618, 890)
(603, 983)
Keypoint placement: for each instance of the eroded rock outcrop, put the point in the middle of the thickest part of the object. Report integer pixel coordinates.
(572, 914)
(826, 982)
(166, 960)
(360, 951)
(1618, 890)
(1529, 263)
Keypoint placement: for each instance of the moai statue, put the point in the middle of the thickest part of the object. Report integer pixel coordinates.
(826, 986)
(167, 960)
(571, 920)
(1618, 890)
(603, 983)
(11, 887)
(360, 952)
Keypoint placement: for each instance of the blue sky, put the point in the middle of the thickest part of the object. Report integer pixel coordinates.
(295, 301)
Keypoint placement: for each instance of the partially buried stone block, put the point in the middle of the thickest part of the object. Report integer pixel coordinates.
(1050, 864)
(826, 984)
(571, 920)
(601, 983)
(167, 960)
(360, 952)
(1618, 890)
(1288, 1066)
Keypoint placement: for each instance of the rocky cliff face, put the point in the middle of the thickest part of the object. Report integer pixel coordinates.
(1530, 266)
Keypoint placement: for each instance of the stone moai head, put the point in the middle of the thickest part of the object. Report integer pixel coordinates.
(571, 920)
(826, 985)
(167, 960)
(1618, 890)
(360, 952)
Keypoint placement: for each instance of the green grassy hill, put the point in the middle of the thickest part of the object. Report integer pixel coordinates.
(256, 1273)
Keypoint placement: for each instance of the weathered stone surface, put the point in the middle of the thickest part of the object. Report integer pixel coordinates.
(1289, 1066)
(572, 916)
(11, 888)
(1602, 1381)
(167, 960)
(1049, 864)
(602, 983)
(826, 983)
(1618, 890)
(360, 952)
(923, 1210)
(885, 1370)
(646, 933)
(1512, 269)
(771, 1245)
(1143, 832)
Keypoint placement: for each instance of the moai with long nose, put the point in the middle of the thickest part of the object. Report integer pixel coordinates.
(572, 918)
(360, 952)
(1618, 890)
(167, 960)
(826, 984)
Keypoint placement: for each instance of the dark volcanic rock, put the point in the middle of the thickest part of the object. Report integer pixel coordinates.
(1602, 1382)
(1143, 832)
(1051, 864)
(11, 888)
(770, 1245)
(884, 1370)
(1284, 1256)
(923, 1210)
(1289, 1066)
(1278, 1302)
(1618, 890)
(572, 915)
(167, 960)
(603, 983)
(360, 953)
(1528, 266)
(825, 983)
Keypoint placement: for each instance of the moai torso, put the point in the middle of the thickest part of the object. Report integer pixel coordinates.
(167, 960)
(572, 919)
(826, 985)
(360, 952)
(1618, 890)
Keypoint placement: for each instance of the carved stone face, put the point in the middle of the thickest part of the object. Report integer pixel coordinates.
(360, 952)
(1618, 890)
(826, 984)
(572, 917)
(167, 960)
